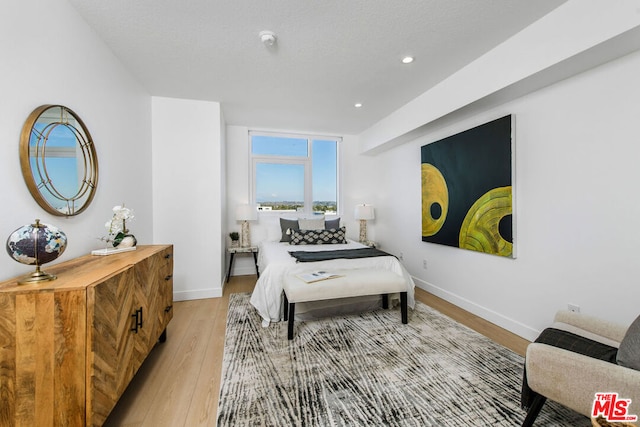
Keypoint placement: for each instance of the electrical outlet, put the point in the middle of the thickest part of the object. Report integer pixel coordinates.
(574, 308)
(424, 264)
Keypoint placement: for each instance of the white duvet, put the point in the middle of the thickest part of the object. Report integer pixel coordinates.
(274, 262)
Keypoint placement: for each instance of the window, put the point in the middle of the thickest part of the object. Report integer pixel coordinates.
(294, 173)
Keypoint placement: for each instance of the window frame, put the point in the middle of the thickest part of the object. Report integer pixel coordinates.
(306, 161)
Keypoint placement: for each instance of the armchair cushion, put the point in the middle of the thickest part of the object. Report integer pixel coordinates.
(629, 351)
(573, 379)
(573, 343)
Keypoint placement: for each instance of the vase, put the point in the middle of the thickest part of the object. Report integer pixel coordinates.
(128, 241)
(123, 240)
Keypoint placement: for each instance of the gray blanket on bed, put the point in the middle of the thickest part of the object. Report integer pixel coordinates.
(304, 256)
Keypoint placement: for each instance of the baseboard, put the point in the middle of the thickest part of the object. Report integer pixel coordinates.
(510, 325)
(199, 294)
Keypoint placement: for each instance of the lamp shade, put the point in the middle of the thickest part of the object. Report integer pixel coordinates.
(364, 212)
(246, 213)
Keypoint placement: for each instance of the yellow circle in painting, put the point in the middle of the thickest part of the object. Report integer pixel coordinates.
(480, 228)
(434, 192)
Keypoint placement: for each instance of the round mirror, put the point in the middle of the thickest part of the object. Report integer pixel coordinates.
(58, 160)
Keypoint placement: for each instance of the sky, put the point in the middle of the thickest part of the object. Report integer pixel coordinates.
(62, 168)
(285, 181)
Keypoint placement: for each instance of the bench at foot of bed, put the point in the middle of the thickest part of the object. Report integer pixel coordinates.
(351, 283)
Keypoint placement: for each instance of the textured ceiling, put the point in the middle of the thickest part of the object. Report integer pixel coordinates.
(329, 54)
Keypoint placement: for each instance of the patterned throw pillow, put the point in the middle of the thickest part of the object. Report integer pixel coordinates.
(318, 237)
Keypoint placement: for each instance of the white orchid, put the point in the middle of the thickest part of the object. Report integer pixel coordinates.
(120, 212)
(117, 224)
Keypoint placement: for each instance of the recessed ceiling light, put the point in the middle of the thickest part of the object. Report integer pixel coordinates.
(268, 37)
(407, 60)
(357, 104)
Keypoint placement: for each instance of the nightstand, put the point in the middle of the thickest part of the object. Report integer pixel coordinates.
(240, 250)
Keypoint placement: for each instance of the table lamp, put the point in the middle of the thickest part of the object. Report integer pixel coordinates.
(363, 213)
(246, 213)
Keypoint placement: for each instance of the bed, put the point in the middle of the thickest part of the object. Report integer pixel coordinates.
(275, 262)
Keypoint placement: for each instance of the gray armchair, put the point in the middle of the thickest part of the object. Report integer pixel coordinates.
(573, 379)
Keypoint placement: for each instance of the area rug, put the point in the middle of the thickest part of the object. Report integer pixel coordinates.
(368, 370)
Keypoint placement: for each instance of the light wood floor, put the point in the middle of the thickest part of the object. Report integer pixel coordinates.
(178, 384)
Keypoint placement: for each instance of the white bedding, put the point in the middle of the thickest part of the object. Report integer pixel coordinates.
(274, 262)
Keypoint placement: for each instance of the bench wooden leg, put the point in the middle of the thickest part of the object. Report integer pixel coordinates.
(403, 307)
(285, 304)
(292, 311)
(385, 301)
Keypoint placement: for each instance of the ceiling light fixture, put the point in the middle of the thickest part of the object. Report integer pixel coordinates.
(357, 105)
(407, 60)
(268, 37)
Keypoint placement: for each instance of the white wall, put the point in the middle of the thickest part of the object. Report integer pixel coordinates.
(223, 198)
(237, 160)
(187, 191)
(577, 206)
(49, 55)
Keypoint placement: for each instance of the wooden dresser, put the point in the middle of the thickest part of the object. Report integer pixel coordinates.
(70, 347)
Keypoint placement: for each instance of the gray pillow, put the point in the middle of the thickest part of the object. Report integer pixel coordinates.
(332, 224)
(629, 350)
(285, 226)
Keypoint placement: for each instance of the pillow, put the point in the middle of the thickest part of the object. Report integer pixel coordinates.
(330, 224)
(286, 225)
(629, 350)
(311, 224)
(318, 237)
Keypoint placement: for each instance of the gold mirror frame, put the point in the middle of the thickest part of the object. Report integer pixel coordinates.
(40, 128)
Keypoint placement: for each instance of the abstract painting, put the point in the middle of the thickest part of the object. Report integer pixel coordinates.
(467, 189)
